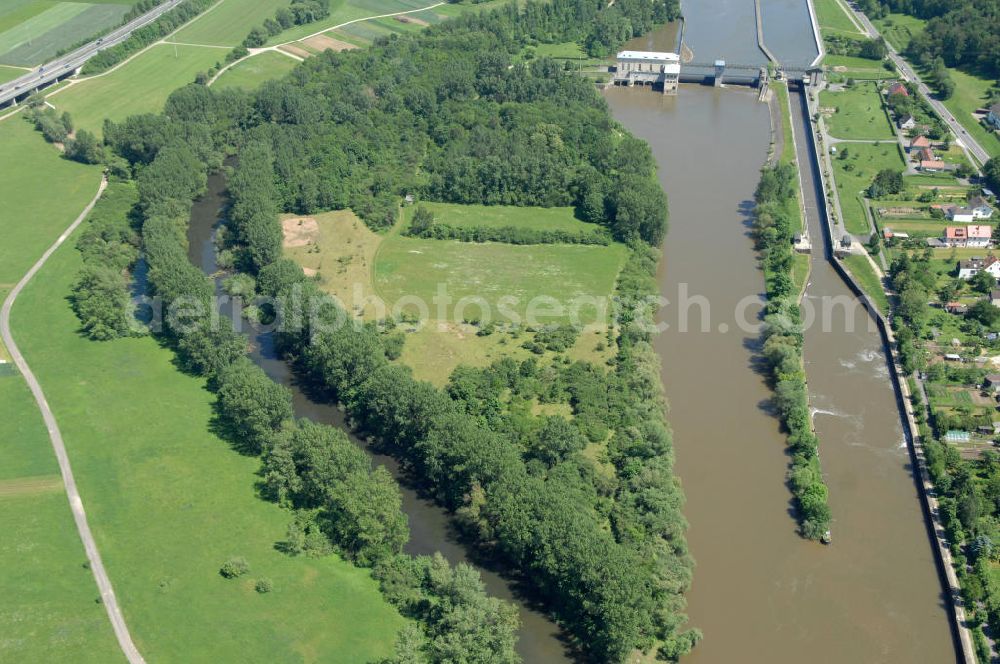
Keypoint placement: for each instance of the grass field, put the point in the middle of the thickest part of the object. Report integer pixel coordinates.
(899, 29)
(868, 280)
(229, 23)
(419, 268)
(250, 73)
(833, 19)
(168, 502)
(50, 613)
(39, 35)
(475, 216)
(41, 192)
(854, 174)
(10, 73)
(350, 10)
(972, 93)
(860, 114)
(141, 86)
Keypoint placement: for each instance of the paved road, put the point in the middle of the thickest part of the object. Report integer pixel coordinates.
(71, 61)
(977, 151)
(76, 504)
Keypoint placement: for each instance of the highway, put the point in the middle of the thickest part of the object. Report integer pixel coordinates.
(67, 64)
(974, 148)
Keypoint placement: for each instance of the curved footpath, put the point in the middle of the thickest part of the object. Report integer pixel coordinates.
(75, 503)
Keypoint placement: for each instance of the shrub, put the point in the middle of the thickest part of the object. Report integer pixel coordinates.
(234, 568)
(263, 586)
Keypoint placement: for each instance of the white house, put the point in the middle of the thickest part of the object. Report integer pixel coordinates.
(961, 215)
(980, 208)
(973, 266)
(979, 235)
(907, 122)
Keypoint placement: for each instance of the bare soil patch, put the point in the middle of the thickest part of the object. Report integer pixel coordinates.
(295, 50)
(299, 231)
(322, 43)
(412, 19)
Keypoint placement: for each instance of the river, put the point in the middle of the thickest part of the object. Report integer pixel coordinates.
(430, 527)
(760, 592)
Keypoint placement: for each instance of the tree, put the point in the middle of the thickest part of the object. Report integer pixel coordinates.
(983, 282)
(85, 148)
(251, 406)
(423, 220)
(102, 303)
(888, 182)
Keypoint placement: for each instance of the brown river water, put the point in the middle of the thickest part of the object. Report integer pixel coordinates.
(760, 592)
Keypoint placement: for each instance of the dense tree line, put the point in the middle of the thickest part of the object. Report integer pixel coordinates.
(109, 245)
(510, 235)
(959, 33)
(449, 114)
(454, 115)
(338, 497)
(776, 216)
(146, 35)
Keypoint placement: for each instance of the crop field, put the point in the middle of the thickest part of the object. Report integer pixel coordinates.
(228, 23)
(351, 10)
(475, 216)
(139, 433)
(859, 114)
(41, 192)
(34, 31)
(539, 274)
(855, 173)
(140, 86)
(250, 73)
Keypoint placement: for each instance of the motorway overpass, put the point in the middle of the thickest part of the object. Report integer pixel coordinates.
(69, 64)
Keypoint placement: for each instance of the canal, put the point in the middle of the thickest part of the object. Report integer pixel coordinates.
(760, 592)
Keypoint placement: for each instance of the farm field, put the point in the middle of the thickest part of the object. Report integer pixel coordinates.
(493, 216)
(860, 114)
(228, 23)
(351, 10)
(855, 173)
(416, 267)
(140, 86)
(33, 32)
(34, 178)
(252, 72)
(165, 568)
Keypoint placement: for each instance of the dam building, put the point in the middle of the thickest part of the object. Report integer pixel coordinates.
(648, 68)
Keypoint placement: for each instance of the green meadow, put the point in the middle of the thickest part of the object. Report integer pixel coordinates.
(169, 501)
(41, 192)
(859, 115)
(833, 19)
(855, 173)
(142, 85)
(228, 23)
(415, 267)
(252, 72)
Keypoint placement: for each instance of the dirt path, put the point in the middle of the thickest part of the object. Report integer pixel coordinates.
(75, 503)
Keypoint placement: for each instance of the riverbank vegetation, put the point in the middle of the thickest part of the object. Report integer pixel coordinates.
(966, 473)
(598, 540)
(776, 220)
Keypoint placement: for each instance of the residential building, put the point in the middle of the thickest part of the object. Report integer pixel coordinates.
(922, 154)
(993, 117)
(955, 236)
(960, 215)
(932, 166)
(978, 235)
(898, 89)
(919, 143)
(995, 299)
(906, 122)
(980, 208)
(956, 308)
(970, 267)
